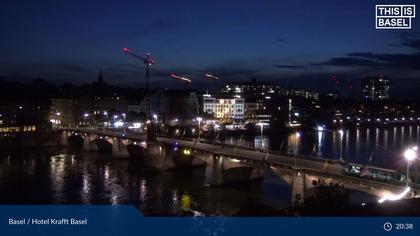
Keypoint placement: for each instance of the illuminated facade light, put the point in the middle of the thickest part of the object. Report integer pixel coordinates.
(118, 124)
(233, 108)
(187, 152)
(394, 197)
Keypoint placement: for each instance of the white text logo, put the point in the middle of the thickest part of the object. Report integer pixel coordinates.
(394, 16)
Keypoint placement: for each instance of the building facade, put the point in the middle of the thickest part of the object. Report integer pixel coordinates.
(226, 109)
(376, 88)
(62, 112)
(168, 104)
(251, 88)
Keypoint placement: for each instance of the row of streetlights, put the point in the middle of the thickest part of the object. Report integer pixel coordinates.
(410, 154)
(199, 119)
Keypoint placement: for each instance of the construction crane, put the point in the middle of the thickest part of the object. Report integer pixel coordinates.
(181, 78)
(209, 76)
(148, 61)
(214, 78)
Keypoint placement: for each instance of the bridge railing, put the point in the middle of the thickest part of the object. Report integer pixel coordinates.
(289, 155)
(106, 133)
(240, 147)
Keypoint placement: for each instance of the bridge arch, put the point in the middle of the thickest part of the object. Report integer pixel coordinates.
(104, 145)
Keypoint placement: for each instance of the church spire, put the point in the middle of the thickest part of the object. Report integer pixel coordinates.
(100, 77)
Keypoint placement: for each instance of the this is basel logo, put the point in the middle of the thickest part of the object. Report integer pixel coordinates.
(394, 16)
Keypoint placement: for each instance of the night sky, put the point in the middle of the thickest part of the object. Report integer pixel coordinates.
(290, 42)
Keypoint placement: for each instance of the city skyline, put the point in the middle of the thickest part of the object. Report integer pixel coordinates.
(210, 109)
(270, 41)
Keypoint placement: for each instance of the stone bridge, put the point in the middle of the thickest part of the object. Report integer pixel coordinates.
(162, 155)
(225, 165)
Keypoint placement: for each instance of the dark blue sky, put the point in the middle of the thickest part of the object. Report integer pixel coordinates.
(293, 42)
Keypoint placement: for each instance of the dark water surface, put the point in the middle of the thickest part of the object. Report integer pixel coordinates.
(69, 176)
(43, 176)
(386, 145)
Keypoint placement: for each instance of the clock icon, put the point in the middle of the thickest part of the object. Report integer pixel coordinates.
(387, 226)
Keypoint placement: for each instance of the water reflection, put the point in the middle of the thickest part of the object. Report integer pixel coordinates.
(143, 190)
(57, 173)
(417, 133)
(85, 193)
(43, 177)
(402, 134)
(319, 143)
(347, 146)
(394, 139)
(358, 140)
(356, 145)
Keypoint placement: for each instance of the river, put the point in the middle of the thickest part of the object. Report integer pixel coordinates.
(70, 176)
(381, 147)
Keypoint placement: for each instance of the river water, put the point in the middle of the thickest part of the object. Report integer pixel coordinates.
(70, 176)
(381, 147)
(47, 176)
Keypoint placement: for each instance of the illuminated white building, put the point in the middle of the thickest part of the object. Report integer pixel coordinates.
(224, 108)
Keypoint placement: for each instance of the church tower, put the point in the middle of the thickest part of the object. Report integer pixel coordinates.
(100, 77)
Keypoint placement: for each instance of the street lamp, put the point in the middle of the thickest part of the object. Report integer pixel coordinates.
(410, 155)
(85, 117)
(156, 122)
(341, 132)
(199, 119)
(297, 134)
(58, 120)
(261, 124)
(297, 142)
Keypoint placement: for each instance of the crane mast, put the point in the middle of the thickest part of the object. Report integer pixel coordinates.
(147, 61)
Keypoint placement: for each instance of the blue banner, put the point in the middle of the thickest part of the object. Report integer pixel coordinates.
(127, 220)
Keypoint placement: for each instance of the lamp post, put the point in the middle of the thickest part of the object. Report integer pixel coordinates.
(85, 117)
(410, 155)
(261, 124)
(58, 120)
(156, 123)
(199, 119)
(341, 132)
(297, 134)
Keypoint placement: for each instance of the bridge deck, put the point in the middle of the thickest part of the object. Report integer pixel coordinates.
(334, 169)
(317, 167)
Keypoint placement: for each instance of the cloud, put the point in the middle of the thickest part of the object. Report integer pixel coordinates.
(348, 61)
(381, 60)
(415, 44)
(289, 66)
(69, 67)
(410, 40)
